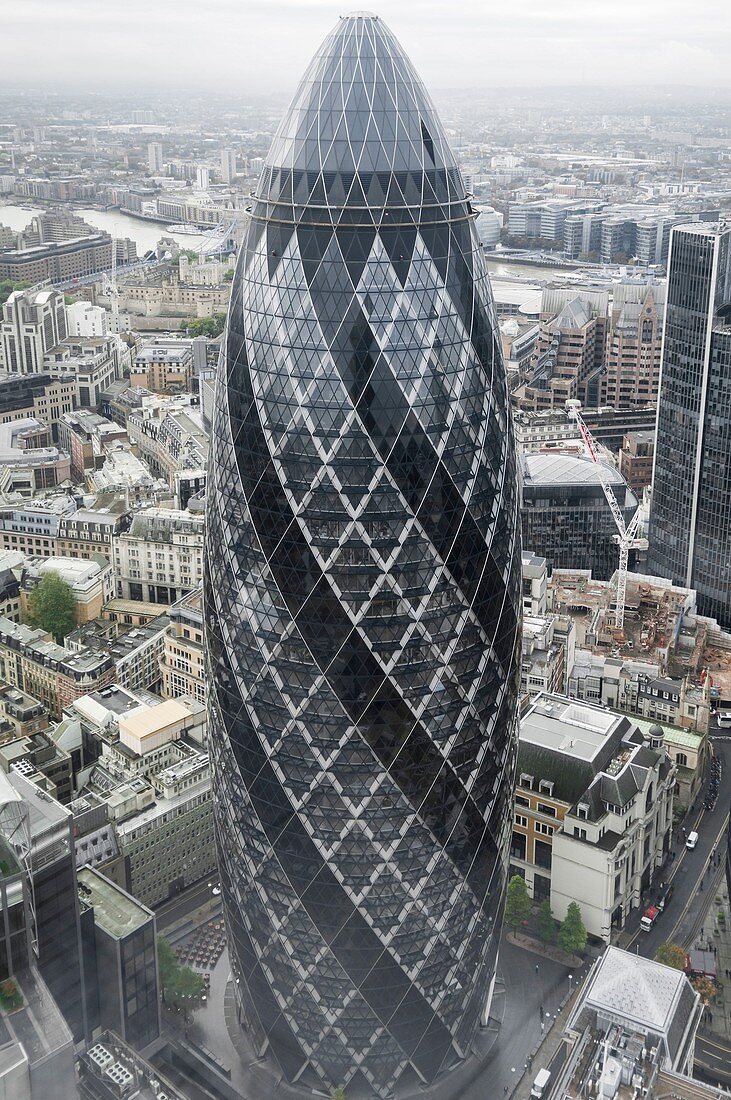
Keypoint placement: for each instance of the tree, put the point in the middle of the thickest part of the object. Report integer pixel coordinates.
(572, 934)
(705, 987)
(517, 903)
(182, 989)
(545, 924)
(51, 606)
(339, 1094)
(207, 326)
(7, 286)
(671, 954)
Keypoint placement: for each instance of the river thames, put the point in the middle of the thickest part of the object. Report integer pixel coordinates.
(146, 235)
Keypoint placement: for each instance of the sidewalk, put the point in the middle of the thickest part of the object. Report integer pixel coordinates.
(546, 1049)
(717, 932)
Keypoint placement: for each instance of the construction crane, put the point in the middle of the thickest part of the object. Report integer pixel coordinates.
(626, 538)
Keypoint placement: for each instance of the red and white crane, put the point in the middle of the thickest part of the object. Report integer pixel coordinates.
(626, 537)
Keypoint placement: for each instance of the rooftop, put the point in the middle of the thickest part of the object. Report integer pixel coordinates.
(115, 911)
(633, 990)
(555, 468)
(38, 1026)
(147, 721)
(45, 813)
(563, 725)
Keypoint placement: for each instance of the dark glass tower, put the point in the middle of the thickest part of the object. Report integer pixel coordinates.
(690, 519)
(362, 589)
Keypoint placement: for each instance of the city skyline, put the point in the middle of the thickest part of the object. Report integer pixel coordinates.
(655, 43)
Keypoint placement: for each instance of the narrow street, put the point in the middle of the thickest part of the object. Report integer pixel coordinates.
(689, 874)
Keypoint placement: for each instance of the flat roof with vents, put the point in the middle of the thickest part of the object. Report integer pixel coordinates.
(115, 911)
(563, 725)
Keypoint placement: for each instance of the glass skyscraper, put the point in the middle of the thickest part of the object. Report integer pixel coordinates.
(565, 516)
(690, 518)
(362, 589)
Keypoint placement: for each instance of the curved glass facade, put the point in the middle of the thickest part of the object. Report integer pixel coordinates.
(362, 589)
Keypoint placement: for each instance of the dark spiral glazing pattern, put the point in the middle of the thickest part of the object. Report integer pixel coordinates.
(362, 588)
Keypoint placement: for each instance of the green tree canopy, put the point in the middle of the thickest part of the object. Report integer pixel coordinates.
(517, 903)
(181, 987)
(572, 934)
(671, 954)
(51, 606)
(207, 326)
(545, 924)
(7, 286)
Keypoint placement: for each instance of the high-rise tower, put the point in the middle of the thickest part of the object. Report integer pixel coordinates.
(362, 588)
(690, 518)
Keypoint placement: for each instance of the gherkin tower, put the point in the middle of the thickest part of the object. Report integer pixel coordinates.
(362, 590)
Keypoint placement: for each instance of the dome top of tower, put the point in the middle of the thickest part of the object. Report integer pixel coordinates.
(359, 113)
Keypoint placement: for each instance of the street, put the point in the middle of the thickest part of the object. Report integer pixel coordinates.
(184, 905)
(526, 981)
(689, 874)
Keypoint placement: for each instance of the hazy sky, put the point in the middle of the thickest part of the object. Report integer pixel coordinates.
(263, 45)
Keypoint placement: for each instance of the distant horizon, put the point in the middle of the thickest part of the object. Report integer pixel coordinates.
(263, 43)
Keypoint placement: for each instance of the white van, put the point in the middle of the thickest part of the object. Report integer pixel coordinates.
(541, 1082)
(692, 840)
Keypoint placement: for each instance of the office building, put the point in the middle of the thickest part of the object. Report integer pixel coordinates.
(122, 472)
(33, 321)
(165, 828)
(544, 219)
(17, 927)
(93, 361)
(690, 521)
(535, 584)
(635, 460)
(56, 906)
(11, 567)
(84, 319)
(593, 810)
(163, 368)
(171, 439)
(21, 712)
(36, 1044)
(228, 165)
(123, 955)
(30, 527)
(87, 436)
(38, 395)
(633, 348)
(113, 1070)
(37, 757)
(569, 355)
(29, 460)
(93, 529)
(91, 581)
(182, 664)
(135, 649)
(565, 512)
(632, 1031)
(32, 661)
(59, 262)
(548, 648)
(154, 158)
(160, 558)
(363, 590)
